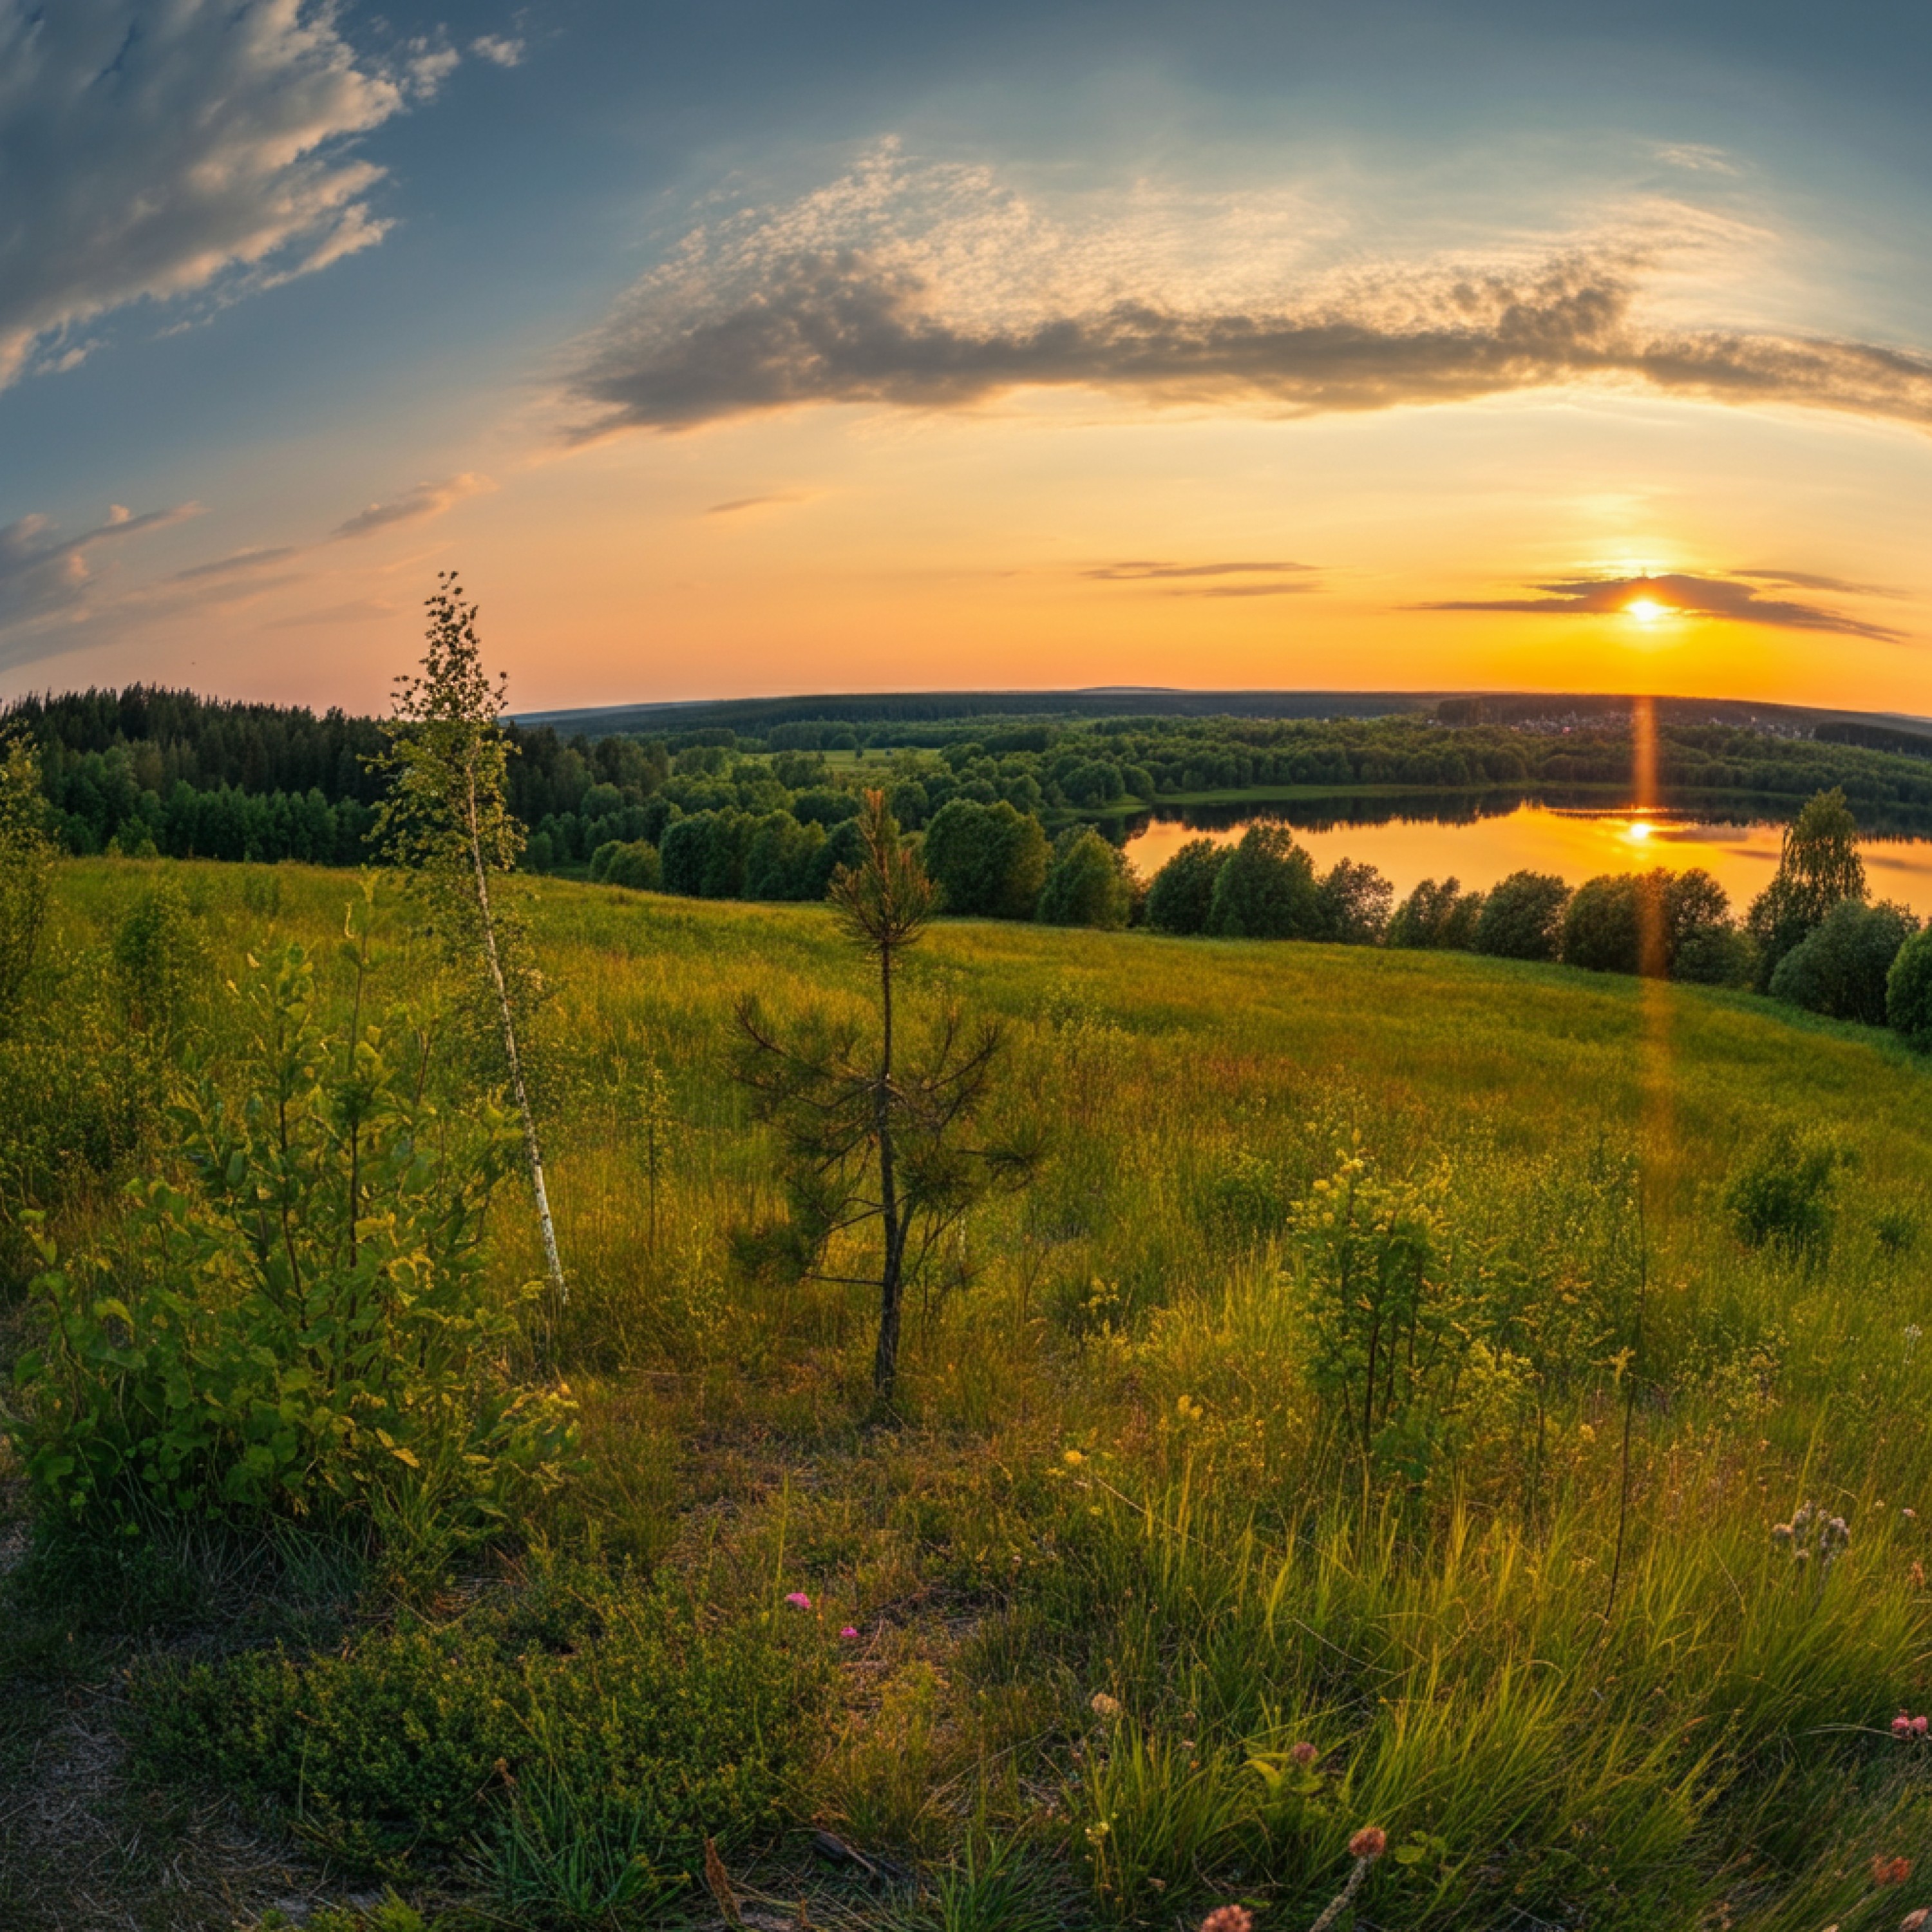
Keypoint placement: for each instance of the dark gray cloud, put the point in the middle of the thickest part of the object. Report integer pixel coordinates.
(42, 575)
(1691, 596)
(154, 152)
(848, 325)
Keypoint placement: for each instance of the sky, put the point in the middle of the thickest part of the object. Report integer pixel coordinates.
(759, 348)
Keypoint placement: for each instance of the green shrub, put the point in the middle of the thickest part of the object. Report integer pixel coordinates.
(1437, 917)
(1090, 883)
(1780, 1195)
(1353, 902)
(1523, 917)
(1265, 889)
(1908, 991)
(584, 1737)
(305, 1333)
(632, 863)
(1841, 967)
(157, 954)
(1183, 888)
(989, 861)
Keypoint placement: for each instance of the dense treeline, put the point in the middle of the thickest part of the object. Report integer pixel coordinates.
(1810, 938)
(144, 770)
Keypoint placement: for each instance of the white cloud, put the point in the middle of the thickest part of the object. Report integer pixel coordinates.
(499, 48)
(161, 150)
(42, 576)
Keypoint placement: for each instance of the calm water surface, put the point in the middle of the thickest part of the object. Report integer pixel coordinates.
(1576, 844)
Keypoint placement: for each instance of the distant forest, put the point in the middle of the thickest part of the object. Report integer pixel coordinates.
(145, 770)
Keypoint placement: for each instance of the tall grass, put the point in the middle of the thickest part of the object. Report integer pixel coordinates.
(1128, 1550)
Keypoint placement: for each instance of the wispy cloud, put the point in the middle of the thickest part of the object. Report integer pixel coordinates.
(425, 500)
(1142, 572)
(241, 562)
(43, 575)
(358, 610)
(499, 49)
(939, 289)
(774, 498)
(1673, 593)
(162, 151)
(1805, 579)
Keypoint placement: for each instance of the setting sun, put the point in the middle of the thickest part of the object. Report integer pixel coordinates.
(1646, 609)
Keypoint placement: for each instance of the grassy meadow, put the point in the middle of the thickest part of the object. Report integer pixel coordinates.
(1383, 1361)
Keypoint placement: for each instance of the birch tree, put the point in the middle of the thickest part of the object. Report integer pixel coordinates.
(446, 824)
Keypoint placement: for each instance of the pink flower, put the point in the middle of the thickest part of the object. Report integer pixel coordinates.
(1304, 1754)
(1920, 1725)
(1228, 1918)
(1370, 1842)
(1901, 1726)
(798, 1600)
(849, 1634)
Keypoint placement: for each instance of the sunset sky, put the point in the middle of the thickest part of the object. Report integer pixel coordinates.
(758, 348)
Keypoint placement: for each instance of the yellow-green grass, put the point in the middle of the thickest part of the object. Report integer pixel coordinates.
(1115, 1474)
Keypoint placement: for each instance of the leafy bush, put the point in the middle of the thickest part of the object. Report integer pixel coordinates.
(1819, 866)
(1667, 924)
(1523, 917)
(306, 1334)
(1183, 888)
(26, 866)
(1908, 991)
(1090, 883)
(1265, 889)
(585, 1736)
(157, 954)
(1437, 917)
(1841, 968)
(1352, 903)
(632, 863)
(1780, 1195)
(988, 861)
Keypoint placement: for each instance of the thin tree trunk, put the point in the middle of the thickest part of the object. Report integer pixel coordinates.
(885, 1363)
(532, 1153)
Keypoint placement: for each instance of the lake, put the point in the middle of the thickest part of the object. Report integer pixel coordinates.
(1412, 840)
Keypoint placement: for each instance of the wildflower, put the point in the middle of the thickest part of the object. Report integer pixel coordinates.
(1901, 1726)
(798, 1600)
(1073, 1458)
(1103, 1706)
(1304, 1754)
(1890, 1871)
(1920, 1725)
(1228, 1918)
(1370, 1842)
(849, 1634)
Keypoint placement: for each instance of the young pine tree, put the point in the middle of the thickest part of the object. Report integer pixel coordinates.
(873, 1137)
(446, 824)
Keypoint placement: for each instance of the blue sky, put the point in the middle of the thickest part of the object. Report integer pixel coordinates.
(757, 347)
